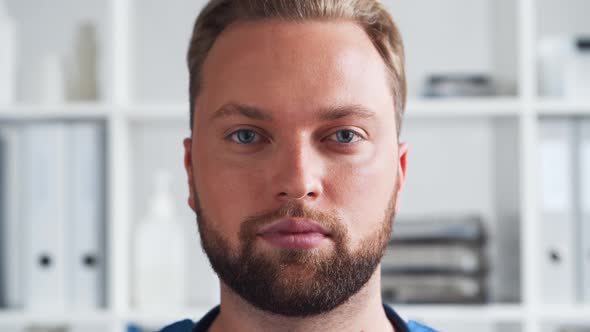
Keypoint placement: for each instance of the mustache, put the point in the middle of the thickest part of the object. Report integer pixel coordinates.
(328, 220)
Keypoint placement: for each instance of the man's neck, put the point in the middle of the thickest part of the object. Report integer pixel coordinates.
(362, 312)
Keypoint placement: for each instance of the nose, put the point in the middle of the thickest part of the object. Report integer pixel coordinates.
(297, 173)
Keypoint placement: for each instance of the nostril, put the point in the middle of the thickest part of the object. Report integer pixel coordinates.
(296, 197)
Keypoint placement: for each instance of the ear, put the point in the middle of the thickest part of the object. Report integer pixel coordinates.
(401, 172)
(188, 167)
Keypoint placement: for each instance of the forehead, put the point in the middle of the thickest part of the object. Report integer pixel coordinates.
(295, 67)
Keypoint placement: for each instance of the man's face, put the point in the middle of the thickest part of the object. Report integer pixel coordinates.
(294, 165)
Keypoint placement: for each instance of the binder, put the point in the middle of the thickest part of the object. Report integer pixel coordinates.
(10, 245)
(557, 217)
(3, 222)
(85, 217)
(43, 216)
(584, 162)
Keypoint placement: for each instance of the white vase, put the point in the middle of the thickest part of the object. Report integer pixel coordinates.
(86, 49)
(52, 80)
(159, 253)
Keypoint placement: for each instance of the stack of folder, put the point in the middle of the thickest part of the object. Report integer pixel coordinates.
(436, 260)
(575, 329)
(77, 327)
(52, 219)
(140, 328)
(40, 328)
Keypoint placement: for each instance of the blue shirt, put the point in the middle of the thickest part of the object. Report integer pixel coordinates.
(205, 322)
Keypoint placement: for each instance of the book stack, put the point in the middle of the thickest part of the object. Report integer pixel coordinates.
(140, 328)
(575, 329)
(436, 260)
(73, 327)
(52, 216)
(459, 85)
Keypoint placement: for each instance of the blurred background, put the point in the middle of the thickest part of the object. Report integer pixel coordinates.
(494, 228)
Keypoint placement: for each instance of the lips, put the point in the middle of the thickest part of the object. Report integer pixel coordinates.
(294, 233)
(294, 226)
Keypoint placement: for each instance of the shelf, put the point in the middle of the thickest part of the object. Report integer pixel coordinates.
(20, 317)
(416, 108)
(574, 313)
(461, 313)
(449, 313)
(463, 107)
(163, 317)
(74, 111)
(557, 107)
(435, 108)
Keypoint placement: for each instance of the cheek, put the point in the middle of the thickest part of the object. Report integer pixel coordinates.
(363, 191)
(227, 192)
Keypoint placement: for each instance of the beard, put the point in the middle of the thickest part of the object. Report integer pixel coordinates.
(295, 282)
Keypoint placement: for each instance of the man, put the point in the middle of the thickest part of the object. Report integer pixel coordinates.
(294, 163)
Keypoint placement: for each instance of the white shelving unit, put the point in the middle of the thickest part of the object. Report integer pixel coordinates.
(138, 101)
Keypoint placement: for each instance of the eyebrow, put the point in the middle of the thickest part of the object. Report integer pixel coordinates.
(233, 109)
(326, 114)
(339, 112)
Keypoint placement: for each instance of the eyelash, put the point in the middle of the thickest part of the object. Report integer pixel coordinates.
(357, 137)
(235, 132)
(259, 136)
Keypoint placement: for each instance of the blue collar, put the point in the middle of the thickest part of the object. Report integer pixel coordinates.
(204, 324)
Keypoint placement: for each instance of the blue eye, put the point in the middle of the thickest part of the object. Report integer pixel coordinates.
(346, 136)
(244, 136)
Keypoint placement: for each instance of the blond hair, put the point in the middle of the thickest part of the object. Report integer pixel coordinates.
(368, 14)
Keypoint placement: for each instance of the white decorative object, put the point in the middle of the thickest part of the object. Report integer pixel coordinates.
(577, 71)
(553, 53)
(564, 67)
(52, 80)
(159, 255)
(7, 56)
(86, 61)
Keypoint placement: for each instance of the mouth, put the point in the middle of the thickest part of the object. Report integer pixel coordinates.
(294, 233)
